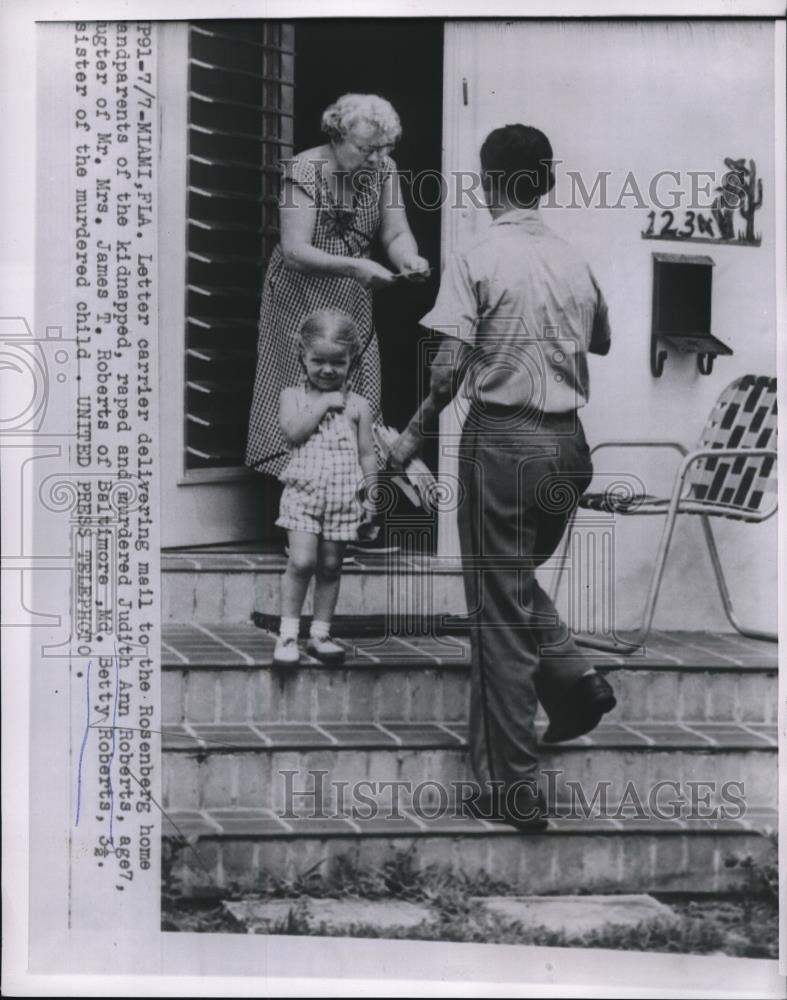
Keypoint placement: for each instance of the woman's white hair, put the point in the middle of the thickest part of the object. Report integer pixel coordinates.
(351, 110)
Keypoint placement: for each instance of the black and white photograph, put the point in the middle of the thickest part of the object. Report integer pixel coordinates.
(392, 428)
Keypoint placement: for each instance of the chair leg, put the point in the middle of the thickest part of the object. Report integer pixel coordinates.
(606, 644)
(638, 640)
(724, 592)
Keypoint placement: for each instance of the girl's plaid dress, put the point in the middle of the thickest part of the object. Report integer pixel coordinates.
(321, 480)
(288, 297)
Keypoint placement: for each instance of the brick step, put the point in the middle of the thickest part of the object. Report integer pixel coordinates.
(222, 673)
(245, 765)
(246, 849)
(229, 586)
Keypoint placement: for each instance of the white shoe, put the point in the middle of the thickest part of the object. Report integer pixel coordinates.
(286, 653)
(325, 649)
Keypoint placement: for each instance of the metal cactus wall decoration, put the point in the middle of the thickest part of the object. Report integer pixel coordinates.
(737, 191)
(751, 202)
(740, 190)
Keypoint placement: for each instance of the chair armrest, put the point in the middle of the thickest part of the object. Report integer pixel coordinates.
(698, 453)
(644, 443)
(640, 443)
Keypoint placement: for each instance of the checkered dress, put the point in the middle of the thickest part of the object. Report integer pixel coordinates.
(289, 296)
(321, 480)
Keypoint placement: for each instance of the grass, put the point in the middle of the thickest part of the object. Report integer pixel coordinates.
(743, 925)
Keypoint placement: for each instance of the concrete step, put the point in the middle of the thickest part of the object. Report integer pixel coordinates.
(248, 849)
(214, 766)
(229, 586)
(222, 673)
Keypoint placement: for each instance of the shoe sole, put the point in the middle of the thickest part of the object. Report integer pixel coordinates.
(582, 726)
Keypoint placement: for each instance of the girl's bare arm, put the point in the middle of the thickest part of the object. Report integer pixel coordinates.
(299, 420)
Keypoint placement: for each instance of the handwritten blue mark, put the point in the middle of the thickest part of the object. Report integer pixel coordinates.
(114, 744)
(84, 742)
(85, 736)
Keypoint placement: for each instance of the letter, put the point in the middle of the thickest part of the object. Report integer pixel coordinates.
(694, 203)
(630, 182)
(655, 805)
(476, 199)
(442, 799)
(630, 798)
(364, 800)
(738, 802)
(577, 797)
(653, 189)
(700, 804)
(600, 182)
(316, 795)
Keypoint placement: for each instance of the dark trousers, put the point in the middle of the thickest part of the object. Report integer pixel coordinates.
(523, 474)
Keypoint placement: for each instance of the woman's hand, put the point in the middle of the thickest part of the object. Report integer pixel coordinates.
(371, 274)
(415, 268)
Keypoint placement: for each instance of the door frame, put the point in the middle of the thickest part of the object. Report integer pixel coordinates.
(460, 153)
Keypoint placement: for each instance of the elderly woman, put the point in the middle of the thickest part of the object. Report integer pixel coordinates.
(335, 199)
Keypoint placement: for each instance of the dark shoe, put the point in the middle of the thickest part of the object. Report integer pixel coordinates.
(530, 819)
(588, 700)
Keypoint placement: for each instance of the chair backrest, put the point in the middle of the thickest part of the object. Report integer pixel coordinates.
(744, 416)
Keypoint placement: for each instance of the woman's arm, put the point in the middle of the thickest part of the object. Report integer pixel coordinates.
(395, 233)
(297, 219)
(298, 421)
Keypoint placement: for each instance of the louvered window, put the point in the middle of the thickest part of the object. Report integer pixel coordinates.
(240, 125)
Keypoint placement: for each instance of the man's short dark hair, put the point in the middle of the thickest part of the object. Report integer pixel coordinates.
(518, 162)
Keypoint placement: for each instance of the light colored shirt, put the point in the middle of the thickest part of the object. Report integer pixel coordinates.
(530, 306)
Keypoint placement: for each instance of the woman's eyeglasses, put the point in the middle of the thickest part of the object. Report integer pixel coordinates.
(364, 150)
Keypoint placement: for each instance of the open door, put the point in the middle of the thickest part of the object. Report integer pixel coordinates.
(402, 61)
(239, 96)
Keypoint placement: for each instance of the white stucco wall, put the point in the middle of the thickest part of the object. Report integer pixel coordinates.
(642, 98)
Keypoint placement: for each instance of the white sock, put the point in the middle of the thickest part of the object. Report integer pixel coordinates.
(320, 629)
(289, 628)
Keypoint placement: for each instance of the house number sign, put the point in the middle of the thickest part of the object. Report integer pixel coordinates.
(730, 218)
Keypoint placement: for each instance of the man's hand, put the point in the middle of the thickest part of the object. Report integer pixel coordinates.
(405, 447)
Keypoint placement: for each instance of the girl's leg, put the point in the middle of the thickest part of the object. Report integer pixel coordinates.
(327, 579)
(301, 565)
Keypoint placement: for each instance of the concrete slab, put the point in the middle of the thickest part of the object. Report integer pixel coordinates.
(577, 915)
(265, 916)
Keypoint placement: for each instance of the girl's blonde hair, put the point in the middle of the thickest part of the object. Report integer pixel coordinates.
(332, 325)
(351, 110)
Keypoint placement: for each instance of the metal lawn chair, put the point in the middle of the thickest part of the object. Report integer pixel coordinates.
(731, 473)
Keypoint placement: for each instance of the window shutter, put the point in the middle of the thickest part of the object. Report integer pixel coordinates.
(240, 125)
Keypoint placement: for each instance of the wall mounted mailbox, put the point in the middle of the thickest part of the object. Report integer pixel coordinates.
(682, 286)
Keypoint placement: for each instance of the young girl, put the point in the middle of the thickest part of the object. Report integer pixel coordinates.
(329, 432)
